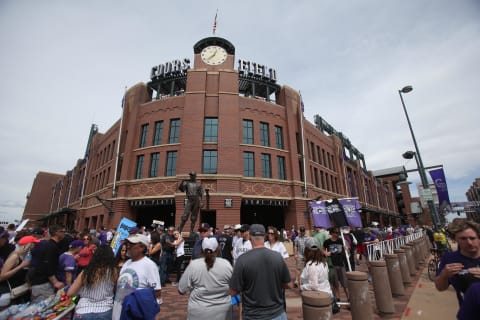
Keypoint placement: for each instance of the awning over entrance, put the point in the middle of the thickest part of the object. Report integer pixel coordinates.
(55, 214)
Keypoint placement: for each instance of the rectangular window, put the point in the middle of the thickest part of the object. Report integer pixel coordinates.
(315, 176)
(209, 161)
(174, 135)
(171, 169)
(210, 133)
(247, 132)
(281, 168)
(266, 166)
(138, 172)
(279, 137)
(312, 146)
(157, 137)
(264, 134)
(143, 136)
(248, 164)
(154, 160)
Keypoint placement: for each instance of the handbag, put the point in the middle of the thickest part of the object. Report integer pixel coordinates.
(18, 291)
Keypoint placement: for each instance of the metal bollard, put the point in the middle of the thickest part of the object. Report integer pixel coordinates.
(316, 305)
(394, 274)
(410, 259)
(381, 287)
(402, 259)
(360, 301)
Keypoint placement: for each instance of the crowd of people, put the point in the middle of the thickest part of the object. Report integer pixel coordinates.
(224, 267)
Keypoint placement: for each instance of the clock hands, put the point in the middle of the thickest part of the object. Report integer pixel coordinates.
(213, 55)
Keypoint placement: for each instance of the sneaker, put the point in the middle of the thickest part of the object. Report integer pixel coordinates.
(174, 284)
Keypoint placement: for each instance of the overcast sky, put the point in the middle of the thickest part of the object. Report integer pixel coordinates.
(64, 65)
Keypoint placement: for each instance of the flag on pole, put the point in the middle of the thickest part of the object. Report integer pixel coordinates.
(319, 214)
(351, 207)
(438, 177)
(215, 22)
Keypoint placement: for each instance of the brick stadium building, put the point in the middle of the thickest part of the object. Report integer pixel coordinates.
(228, 120)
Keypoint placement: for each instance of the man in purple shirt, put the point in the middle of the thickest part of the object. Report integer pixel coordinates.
(461, 268)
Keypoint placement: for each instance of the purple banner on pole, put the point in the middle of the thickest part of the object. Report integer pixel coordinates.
(438, 177)
(351, 207)
(319, 214)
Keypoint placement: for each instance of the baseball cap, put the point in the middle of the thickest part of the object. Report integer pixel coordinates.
(227, 226)
(139, 238)
(28, 239)
(76, 244)
(38, 231)
(302, 229)
(257, 230)
(204, 227)
(210, 244)
(237, 227)
(133, 230)
(312, 244)
(244, 227)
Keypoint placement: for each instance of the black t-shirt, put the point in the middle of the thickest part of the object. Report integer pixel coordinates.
(260, 274)
(169, 248)
(47, 263)
(225, 243)
(338, 253)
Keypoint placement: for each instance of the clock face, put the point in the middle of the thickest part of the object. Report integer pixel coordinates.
(213, 55)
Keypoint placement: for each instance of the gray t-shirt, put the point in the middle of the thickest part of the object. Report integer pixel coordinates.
(209, 289)
(259, 275)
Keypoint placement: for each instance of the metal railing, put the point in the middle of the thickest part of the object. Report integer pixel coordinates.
(376, 251)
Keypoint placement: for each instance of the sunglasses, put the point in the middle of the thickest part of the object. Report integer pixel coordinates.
(271, 233)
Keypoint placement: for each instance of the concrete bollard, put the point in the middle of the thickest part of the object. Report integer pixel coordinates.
(316, 305)
(418, 254)
(402, 259)
(394, 275)
(360, 301)
(381, 286)
(410, 259)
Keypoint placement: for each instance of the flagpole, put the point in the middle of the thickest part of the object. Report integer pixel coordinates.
(117, 157)
(305, 193)
(215, 22)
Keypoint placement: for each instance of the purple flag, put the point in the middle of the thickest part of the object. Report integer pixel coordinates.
(438, 177)
(351, 208)
(319, 214)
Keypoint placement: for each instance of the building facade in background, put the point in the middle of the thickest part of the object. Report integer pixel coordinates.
(229, 120)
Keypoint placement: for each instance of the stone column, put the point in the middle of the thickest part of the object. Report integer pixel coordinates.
(402, 259)
(316, 305)
(418, 254)
(410, 259)
(381, 286)
(360, 300)
(394, 275)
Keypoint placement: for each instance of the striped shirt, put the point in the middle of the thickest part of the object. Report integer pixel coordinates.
(96, 298)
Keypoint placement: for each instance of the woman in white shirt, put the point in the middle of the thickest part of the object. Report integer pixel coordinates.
(274, 244)
(179, 244)
(314, 276)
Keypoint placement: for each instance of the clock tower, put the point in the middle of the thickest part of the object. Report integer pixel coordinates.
(214, 53)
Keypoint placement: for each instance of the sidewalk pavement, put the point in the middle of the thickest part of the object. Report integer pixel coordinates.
(421, 301)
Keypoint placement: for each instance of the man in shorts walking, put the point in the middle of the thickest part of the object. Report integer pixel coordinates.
(335, 249)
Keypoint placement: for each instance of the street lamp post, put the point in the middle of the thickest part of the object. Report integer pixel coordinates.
(421, 168)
